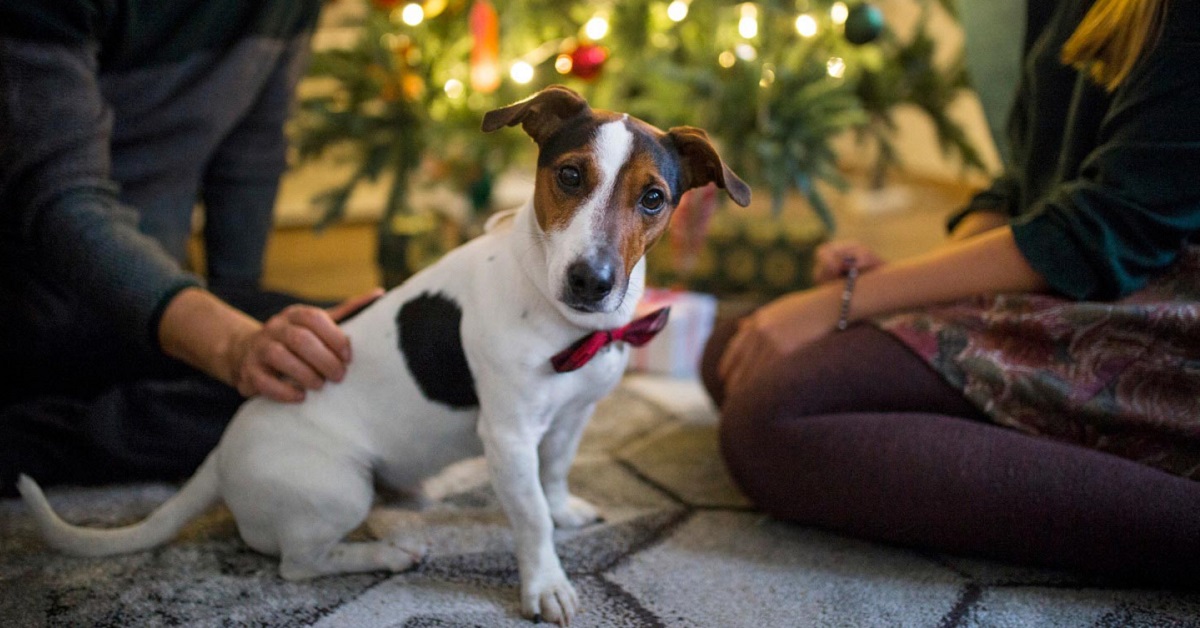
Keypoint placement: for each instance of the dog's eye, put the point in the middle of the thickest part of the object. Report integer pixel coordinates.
(569, 176)
(653, 201)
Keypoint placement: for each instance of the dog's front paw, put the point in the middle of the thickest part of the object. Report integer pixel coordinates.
(550, 598)
(575, 512)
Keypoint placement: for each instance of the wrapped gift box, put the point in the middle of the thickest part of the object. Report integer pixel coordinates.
(676, 350)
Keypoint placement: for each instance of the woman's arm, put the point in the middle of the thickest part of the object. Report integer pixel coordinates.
(976, 223)
(984, 264)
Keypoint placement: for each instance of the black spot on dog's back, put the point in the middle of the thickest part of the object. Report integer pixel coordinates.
(432, 346)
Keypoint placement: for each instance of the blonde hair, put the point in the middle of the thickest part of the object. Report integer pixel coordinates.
(1112, 37)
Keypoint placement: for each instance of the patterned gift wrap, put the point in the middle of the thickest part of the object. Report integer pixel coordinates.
(746, 256)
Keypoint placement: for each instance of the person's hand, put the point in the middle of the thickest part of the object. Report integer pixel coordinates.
(298, 349)
(829, 260)
(777, 329)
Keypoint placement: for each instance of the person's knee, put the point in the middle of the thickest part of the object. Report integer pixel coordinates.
(749, 426)
(737, 437)
(787, 453)
(718, 341)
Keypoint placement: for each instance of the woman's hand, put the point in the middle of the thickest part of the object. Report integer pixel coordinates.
(794, 320)
(829, 260)
(777, 329)
(298, 349)
(988, 263)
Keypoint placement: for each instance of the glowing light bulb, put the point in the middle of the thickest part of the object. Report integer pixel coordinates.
(806, 25)
(412, 14)
(839, 12)
(596, 28)
(748, 23)
(726, 59)
(677, 10)
(434, 8)
(454, 88)
(485, 76)
(746, 52)
(836, 67)
(563, 64)
(521, 72)
(768, 76)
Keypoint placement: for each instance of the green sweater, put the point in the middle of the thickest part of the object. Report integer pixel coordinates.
(1104, 188)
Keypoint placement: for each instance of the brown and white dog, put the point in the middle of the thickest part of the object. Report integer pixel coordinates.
(457, 362)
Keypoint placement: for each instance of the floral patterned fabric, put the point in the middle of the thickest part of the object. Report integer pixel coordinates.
(1122, 377)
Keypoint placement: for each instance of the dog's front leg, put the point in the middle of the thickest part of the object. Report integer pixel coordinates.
(557, 452)
(511, 452)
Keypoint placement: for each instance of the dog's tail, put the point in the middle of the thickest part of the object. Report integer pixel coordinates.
(197, 495)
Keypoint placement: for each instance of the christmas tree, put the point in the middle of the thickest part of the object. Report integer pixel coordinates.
(774, 82)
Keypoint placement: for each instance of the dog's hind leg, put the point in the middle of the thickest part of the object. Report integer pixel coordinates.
(300, 563)
(301, 508)
(311, 541)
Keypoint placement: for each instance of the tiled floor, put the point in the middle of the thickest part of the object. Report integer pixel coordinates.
(679, 547)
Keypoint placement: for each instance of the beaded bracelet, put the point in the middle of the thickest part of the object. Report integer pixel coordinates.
(850, 270)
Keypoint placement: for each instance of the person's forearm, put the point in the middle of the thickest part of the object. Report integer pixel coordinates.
(986, 264)
(976, 223)
(201, 330)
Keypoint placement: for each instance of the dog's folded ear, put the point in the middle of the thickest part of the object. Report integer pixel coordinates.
(702, 165)
(540, 115)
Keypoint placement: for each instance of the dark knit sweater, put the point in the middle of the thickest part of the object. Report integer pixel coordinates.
(111, 103)
(1104, 187)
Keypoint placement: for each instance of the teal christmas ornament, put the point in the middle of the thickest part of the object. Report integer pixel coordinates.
(864, 23)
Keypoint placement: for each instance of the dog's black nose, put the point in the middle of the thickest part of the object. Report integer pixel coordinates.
(591, 282)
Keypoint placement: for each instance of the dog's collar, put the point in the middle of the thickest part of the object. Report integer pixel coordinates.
(636, 333)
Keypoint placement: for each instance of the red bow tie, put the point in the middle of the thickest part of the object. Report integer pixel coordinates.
(636, 333)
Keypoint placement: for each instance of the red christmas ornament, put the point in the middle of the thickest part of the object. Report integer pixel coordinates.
(485, 48)
(587, 60)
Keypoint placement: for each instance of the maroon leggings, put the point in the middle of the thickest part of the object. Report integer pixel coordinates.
(856, 434)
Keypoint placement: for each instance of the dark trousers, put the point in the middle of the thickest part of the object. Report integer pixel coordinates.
(856, 434)
(125, 422)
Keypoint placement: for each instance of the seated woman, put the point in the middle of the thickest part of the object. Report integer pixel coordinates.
(1029, 391)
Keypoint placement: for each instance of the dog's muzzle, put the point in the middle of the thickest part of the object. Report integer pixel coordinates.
(589, 282)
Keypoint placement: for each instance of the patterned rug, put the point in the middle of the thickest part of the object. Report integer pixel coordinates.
(680, 547)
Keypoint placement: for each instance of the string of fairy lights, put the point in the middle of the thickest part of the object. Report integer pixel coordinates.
(777, 80)
(523, 70)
